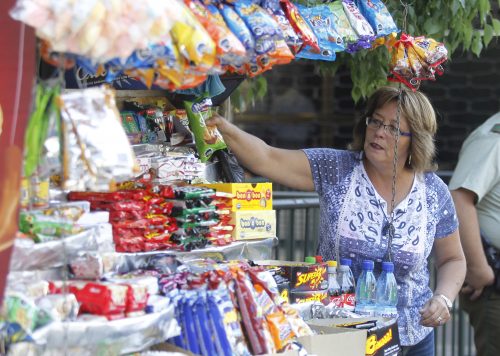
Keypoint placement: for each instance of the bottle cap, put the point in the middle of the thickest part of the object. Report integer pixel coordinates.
(331, 263)
(318, 258)
(388, 266)
(310, 259)
(368, 265)
(346, 261)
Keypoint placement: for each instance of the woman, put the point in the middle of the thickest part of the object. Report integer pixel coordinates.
(355, 189)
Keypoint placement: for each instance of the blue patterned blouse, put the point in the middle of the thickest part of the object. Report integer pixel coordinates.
(353, 212)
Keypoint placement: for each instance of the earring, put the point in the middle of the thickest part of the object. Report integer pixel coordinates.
(409, 160)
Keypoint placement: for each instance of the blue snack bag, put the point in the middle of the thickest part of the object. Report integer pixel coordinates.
(322, 21)
(378, 16)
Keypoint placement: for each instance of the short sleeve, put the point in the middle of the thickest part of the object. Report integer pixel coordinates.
(447, 220)
(329, 166)
(478, 167)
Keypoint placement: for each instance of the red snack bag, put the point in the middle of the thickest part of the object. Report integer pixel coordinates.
(117, 215)
(102, 299)
(299, 25)
(130, 244)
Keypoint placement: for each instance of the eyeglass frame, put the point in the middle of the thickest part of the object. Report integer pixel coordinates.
(387, 128)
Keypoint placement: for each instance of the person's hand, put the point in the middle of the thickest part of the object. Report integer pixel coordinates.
(476, 279)
(434, 312)
(216, 120)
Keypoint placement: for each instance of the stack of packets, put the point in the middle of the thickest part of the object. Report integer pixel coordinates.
(177, 44)
(162, 217)
(300, 282)
(251, 208)
(415, 59)
(237, 311)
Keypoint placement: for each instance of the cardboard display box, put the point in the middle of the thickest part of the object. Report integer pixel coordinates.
(247, 196)
(381, 340)
(303, 277)
(253, 224)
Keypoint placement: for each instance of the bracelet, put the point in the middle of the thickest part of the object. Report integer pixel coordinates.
(447, 301)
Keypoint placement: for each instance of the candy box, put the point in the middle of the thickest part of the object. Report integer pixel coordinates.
(247, 196)
(303, 277)
(312, 296)
(253, 224)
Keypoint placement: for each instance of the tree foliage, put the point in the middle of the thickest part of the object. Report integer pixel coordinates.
(466, 25)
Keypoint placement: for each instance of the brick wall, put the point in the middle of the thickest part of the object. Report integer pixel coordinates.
(303, 109)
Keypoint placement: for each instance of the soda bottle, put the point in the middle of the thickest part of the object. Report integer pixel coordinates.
(347, 288)
(386, 294)
(334, 292)
(365, 290)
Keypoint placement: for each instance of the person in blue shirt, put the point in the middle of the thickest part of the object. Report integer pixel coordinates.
(355, 188)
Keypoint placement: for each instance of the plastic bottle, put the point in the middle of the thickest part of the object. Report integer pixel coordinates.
(347, 288)
(310, 259)
(334, 292)
(346, 262)
(365, 290)
(386, 295)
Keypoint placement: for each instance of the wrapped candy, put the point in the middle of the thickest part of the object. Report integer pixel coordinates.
(416, 59)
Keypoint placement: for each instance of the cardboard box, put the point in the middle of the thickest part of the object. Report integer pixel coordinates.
(253, 224)
(247, 196)
(380, 341)
(305, 277)
(331, 341)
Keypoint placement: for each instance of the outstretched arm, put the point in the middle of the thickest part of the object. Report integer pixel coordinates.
(288, 167)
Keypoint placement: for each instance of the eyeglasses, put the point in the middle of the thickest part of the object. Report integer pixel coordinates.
(393, 130)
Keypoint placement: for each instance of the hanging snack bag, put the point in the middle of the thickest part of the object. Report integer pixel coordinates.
(291, 38)
(300, 25)
(377, 15)
(229, 48)
(207, 138)
(359, 23)
(344, 27)
(192, 40)
(321, 20)
(238, 27)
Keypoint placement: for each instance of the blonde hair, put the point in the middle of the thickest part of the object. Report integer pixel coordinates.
(418, 111)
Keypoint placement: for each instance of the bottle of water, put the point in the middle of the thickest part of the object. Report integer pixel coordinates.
(334, 292)
(365, 290)
(386, 295)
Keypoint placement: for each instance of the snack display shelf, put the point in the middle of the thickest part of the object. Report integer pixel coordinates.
(101, 337)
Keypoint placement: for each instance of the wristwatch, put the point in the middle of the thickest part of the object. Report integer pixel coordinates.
(446, 300)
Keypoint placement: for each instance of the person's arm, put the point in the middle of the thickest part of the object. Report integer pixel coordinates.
(450, 265)
(479, 273)
(288, 167)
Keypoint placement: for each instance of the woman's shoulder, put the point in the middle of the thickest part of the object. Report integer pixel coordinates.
(435, 183)
(331, 153)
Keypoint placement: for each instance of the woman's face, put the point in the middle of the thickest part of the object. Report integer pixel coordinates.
(379, 142)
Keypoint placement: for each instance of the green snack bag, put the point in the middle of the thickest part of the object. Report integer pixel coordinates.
(207, 138)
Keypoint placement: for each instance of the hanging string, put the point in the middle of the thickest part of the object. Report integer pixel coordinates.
(390, 224)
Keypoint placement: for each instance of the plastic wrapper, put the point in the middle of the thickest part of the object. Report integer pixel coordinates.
(344, 27)
(300, 25)
(28, 255)
(322, 21)
(358, 23)
(96, 151)
(100, 337)
(207, 138)
(378, 17)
